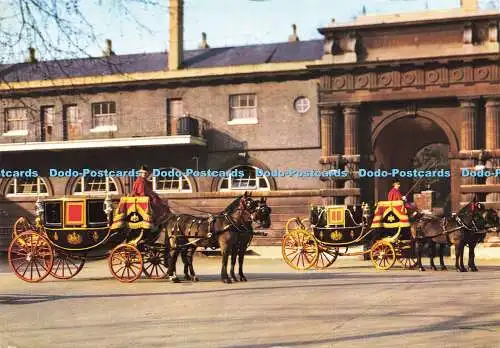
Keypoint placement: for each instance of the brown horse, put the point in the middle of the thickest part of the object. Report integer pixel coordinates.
(262, 215)
(187, 232)
(457, 230)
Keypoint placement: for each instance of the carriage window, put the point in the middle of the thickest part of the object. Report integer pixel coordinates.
(27, 187)
(171, 184)
(95, 212)
(53, 214)
(249, 180)
(95, 186)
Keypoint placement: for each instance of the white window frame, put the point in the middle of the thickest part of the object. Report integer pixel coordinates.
(110, 125)
(39, 182)
(299, 102)
(235, 101)
(82, 179)
(173, 180)
(257, 187)
(17, 118)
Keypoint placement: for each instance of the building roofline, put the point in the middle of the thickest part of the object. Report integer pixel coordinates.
(410, 19)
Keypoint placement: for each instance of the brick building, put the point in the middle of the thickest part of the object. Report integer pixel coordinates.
(368, 94)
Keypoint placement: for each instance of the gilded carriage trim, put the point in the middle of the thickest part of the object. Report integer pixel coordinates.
(95, 236)
(336, 235)
(74, 238)
(56, 237)
(59, 231)
(335, 215)
(74, 212)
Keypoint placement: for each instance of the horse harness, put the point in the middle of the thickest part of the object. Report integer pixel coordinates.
(212, 233)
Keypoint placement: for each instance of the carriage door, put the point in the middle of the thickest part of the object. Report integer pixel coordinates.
(47, 116)
(72, 123)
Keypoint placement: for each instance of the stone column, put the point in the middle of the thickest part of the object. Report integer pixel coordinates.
(468, 133)
(493, 142)
(351, 147)
(326, 132)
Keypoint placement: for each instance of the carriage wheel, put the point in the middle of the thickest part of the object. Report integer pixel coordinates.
(21, 225)
(67, 266)
(383, 255)
(154, 264)
(326, 257)
(125, 263)
(296, 223)
(31, 256)
(299, 249)
(407, 256)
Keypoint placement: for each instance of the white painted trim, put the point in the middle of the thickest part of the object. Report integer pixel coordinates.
(104, 129)
(104, 143)
(243, 121)
(16, 133)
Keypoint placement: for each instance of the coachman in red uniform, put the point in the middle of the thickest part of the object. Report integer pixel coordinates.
(394, 194)
(143, 187)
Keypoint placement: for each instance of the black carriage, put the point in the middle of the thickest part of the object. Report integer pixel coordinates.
(66, 229)
(331, 230)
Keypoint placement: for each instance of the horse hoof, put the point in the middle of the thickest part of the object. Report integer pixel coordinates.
(434, 268)
(444, 268)
(187, 278)
(421, 269)
(174, 280)
(243, 279)
(227, 281)
(473, 269)
(196, 279)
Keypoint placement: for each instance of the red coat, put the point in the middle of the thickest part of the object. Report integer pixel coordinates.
(394, 195)
(144, 188)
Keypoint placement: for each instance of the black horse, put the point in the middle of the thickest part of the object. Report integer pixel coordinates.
(459, 230)
(488, 221)
(262, 216)
(187, 232)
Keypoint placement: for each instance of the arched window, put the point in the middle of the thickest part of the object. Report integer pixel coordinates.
(94, 186)
(171, 184)
(27, 187)
(248, 181)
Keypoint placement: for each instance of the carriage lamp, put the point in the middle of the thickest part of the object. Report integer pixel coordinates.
(108, 206)
(38, 207)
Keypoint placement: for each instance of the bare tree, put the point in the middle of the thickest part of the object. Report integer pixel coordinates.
(58, 28)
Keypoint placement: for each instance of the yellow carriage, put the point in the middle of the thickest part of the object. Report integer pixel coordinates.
(317, 241)
(66, 229)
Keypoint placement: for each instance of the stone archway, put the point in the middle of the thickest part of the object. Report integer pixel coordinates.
(399, 137)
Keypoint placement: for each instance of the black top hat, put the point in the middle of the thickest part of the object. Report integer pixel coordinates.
(145, 168)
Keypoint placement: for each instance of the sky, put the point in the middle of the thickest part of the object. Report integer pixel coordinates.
(228, 22)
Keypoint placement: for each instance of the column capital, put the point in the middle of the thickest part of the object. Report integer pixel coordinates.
(351, 108)
(468, 102)
(492, 101)
(326, 111)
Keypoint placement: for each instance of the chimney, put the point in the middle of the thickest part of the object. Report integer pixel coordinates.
(203, 44)
(32, 55)
(108, 52)
(293, 37)
(469, 5)
(176, 49)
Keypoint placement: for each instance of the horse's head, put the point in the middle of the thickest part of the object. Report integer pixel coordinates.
(491, 219)
(262, 214)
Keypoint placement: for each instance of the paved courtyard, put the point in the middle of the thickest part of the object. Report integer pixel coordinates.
(350, 305)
